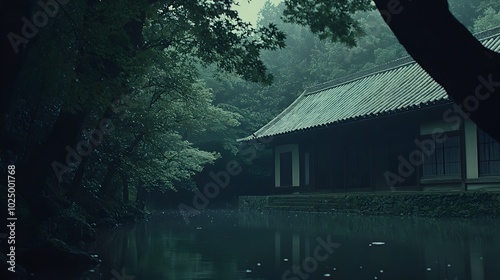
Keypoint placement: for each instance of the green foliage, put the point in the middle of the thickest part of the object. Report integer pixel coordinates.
(214, 32)
(162, 122)
(146, 55)
(304, 62)
(489, 19)
(163, 166)
(465, 11)
(476, 15)
(328, 19)
(91, 51)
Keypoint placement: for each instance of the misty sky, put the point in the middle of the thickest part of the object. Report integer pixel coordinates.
(249, 11)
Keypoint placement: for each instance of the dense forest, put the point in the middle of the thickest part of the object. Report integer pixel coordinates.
(114, 110)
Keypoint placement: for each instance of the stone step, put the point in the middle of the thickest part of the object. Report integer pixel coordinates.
(297, 203)
(311, 209)
(289, 208)
(271, 200)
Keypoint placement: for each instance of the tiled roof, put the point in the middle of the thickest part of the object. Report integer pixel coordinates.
(400, 85)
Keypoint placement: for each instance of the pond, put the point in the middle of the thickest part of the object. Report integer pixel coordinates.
(228, 245)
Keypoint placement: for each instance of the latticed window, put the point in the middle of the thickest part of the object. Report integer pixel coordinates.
(489, 154)
(445, 160)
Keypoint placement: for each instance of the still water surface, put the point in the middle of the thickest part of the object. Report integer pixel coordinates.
(227, 245)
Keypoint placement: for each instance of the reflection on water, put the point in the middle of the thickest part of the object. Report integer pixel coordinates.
(230, 245)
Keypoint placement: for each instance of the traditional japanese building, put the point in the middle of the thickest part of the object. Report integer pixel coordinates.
(392, 127)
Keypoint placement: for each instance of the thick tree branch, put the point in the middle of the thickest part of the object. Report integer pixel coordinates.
(451, 55)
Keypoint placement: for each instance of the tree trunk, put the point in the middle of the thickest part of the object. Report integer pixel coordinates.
(141, 194)
(107, 190)
(76, 184)
(444, 48)
(35, 171)
(125, 189)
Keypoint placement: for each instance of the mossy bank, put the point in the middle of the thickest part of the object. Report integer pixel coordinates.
(439, 204)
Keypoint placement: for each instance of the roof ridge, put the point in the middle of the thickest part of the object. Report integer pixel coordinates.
(483, 35)
(398, 62)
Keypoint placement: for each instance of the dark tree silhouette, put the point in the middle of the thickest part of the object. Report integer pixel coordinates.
(453, 57)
